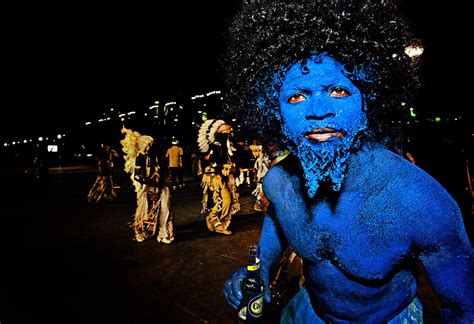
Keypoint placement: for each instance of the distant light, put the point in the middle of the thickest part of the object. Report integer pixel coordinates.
(197, 97)
(171, 109)
(199, 111)
(157, 102)
(234, 119)
(437, 119)
(122, 119)
(412, 113)
(111, 109)
(59, 136)
(176, 119)
(193, 123)
(52, 148)
(5, 144)
(212, 93)
(414, 50)
(131, 113)
(145, 114)
(25, 141)
(403, 103)
(89, 155)
(122, 115)
(88, 123)
(13, 143)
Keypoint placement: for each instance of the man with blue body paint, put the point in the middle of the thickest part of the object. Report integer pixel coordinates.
(328, 78)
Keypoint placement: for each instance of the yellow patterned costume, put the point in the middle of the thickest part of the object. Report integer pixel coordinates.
(218, 177)
(153, 198)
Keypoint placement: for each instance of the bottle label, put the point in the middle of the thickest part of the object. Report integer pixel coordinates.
(255, 306)
(253, 267)
(243, 313)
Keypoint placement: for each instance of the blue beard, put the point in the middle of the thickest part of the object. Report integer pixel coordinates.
(325, 162)
(326, 165)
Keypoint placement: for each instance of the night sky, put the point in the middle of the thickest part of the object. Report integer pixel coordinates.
(65, 64)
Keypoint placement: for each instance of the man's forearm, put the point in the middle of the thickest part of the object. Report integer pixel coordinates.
(271, 247)
(451, 315)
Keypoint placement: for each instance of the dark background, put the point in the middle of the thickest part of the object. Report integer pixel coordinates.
(67, 261)
(64, 63)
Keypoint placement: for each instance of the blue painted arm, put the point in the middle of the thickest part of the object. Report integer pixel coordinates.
(272, 245)
(450, 271)
(270, 250)
(449, 264)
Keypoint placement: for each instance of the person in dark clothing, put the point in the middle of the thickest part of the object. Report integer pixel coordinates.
(103, 187)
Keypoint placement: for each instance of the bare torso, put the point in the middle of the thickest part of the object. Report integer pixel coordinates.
(358, 245)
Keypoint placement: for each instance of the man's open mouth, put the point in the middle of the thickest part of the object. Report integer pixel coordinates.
(323, 134)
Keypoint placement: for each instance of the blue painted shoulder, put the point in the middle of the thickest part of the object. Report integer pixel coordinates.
(279, 176)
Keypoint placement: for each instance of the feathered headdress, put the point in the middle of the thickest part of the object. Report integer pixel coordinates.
(132, 144)
(207, 133)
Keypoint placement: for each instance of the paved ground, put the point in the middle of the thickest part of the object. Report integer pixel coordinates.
(67, 261)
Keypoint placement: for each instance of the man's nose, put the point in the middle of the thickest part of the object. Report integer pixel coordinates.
(319, 109)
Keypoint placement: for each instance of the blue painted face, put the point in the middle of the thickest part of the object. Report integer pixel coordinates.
(322, 114)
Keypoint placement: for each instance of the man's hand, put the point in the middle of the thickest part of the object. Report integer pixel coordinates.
(232, 291)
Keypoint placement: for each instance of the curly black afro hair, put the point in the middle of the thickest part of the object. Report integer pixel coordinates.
(266, 37)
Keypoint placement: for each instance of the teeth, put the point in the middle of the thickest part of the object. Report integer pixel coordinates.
(319, 137)
(322, 137)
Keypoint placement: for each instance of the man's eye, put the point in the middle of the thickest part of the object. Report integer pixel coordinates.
(338, 92)
(297, 97)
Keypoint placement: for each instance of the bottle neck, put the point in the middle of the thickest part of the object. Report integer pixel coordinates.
(253, 268)
(253, 265)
